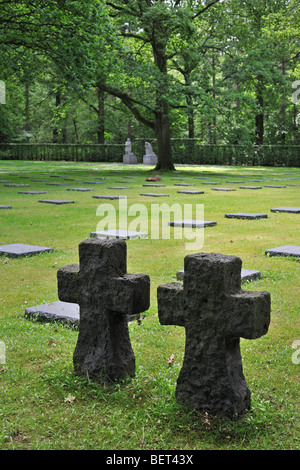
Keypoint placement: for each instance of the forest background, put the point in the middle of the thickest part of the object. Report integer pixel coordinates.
(98, 71)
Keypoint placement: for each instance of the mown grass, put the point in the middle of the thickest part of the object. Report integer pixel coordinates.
(43, 405)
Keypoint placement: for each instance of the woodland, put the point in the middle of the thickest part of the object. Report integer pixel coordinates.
(97, 71)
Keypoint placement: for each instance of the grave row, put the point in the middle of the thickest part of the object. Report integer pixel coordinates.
(192, 192)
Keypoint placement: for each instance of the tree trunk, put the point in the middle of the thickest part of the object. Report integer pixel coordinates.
(55, 131)
(101, 128)
(162, 132)
(27, 126)
(162, 118)
(259, 118)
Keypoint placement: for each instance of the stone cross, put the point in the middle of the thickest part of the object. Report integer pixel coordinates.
(215, 313)
(106, 295)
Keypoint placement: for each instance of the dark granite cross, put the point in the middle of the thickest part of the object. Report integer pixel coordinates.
(106, 296)
(215, 313)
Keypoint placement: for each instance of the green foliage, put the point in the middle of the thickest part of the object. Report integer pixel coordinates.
(221, 72)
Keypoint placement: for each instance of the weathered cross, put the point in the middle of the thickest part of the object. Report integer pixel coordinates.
(215, 313)
(106, 296)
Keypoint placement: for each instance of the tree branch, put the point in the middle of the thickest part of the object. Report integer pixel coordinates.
(205, 8)
(130, 103)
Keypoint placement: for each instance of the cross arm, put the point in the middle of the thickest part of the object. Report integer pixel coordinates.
(68, 283)
(131, 294)
(248, 314)
(171, 304)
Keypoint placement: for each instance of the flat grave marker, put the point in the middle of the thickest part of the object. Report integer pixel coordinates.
(81, 189)
(5, 207)
(289, 210)
(246, 275)
(187, 191)
(64, 312)
(154, 194)
(184, 184)
(56, 201)
(274, 186)
(234, 182)
(246, 215)
(223, 189)
(286, 250)
(19, 250)
(119, 233)
(93, 182)
(210, 182)
(250, 187)
(119, 187)
(192, 223)
(154, 185)
(16, 185)
(32, 192)
(107, 196)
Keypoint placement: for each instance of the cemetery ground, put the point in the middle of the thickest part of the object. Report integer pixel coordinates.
(43, 405)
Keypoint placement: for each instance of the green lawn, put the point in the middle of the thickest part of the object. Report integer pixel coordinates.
(44, 406)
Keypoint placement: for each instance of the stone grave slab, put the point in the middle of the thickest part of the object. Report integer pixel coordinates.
(210, 182)
(64, 312)
(154, 185)
(223, 189)
(290, 210)
(250, 275)
(5, 207)
(184, 184)
(154, 194)
(6, 181)
(106, 295)
(119, 233)
(234, 182)
(246, 215)
(19, 250)
(93, 182)
(215, 312)
(119, 187)
(286, 250)
(32, 192)
(274, 186)
(250, 187)
(80, 189)
(246, 275)
(57, 184)
(107, 196)
(192, 223)
(187, 191)
(17, 185)
(56, 201)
